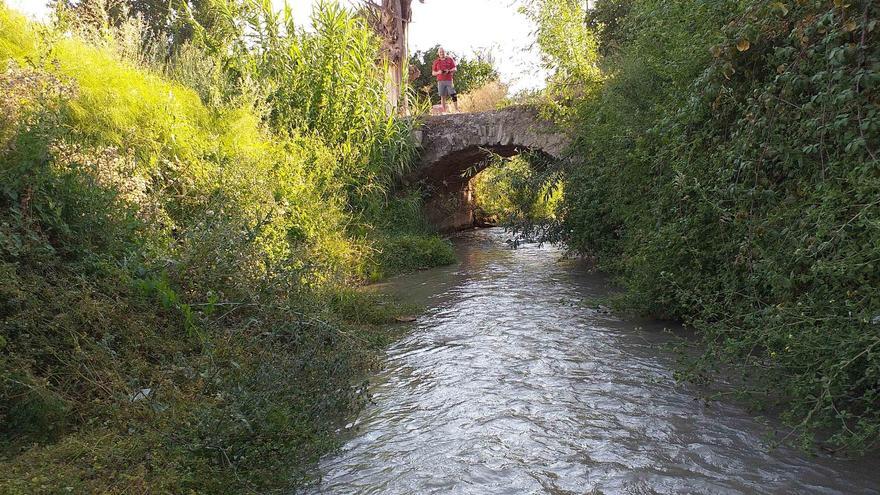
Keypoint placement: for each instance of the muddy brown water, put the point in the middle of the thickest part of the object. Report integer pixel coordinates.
(510, 384)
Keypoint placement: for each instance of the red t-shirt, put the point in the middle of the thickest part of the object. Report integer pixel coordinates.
(444, 64)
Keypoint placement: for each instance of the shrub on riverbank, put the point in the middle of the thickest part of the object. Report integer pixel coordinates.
(175, 264)
(727, 170)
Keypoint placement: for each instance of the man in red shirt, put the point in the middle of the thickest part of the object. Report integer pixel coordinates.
(443, 69)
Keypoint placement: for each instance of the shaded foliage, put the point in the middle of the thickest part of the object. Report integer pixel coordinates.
(605, 18)
(727, 171)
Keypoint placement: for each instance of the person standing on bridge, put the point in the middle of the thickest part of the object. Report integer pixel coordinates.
(444, 69)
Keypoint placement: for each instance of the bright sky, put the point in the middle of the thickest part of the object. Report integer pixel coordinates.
(461, 26)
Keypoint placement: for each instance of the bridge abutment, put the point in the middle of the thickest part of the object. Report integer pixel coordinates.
(452, 208)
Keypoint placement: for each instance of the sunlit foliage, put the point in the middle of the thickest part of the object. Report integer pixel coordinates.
(489, 96)
(512, 192)
(177, 251)
(569, 48)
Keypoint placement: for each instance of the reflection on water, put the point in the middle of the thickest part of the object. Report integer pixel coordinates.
(510, 384)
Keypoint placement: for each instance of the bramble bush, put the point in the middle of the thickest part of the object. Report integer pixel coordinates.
(726, 170)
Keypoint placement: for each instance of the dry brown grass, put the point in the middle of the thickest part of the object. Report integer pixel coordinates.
(487, 97)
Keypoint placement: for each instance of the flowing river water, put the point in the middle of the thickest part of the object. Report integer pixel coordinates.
(510, 383)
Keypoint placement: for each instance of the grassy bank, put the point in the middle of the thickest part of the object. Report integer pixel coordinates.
(727, 171)
(177, 251)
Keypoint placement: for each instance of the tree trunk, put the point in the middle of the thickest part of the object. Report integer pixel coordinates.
(391, 20)
(398, 56)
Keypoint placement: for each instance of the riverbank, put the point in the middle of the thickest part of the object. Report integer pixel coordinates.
(725, 170)
(178, 271)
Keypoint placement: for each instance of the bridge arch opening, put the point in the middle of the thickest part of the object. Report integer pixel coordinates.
(459, 200)
(456, 148)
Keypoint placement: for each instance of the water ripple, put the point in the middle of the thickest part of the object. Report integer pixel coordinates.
(508, 384)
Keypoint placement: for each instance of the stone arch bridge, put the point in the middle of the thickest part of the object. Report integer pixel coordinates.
(454, 148)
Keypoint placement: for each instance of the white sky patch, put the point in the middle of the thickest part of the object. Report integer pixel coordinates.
(462, 26)
(35, 9)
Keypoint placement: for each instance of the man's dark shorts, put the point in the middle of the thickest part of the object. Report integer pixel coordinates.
(445, 88)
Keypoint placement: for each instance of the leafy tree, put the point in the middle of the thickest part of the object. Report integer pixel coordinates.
(570, 49)
(471, 74)
(606, 17)
(174, 22)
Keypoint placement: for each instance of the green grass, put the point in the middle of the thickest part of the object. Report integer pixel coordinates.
(403, 253)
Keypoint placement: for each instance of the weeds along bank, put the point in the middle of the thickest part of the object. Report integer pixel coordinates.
(175, 245)
(728, 172)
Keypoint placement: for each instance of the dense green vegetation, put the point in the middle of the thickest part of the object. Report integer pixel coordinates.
(516, 192)
(180, 229)
(187, 201)
(726, 169)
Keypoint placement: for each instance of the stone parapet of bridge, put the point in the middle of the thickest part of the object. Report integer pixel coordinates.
(451, 144)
